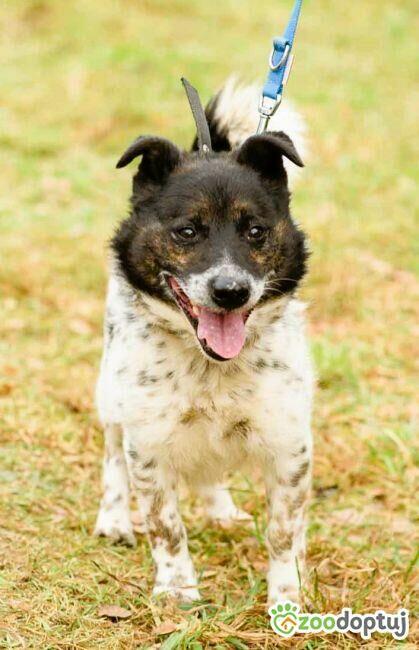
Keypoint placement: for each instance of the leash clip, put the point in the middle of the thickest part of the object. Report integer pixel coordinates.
(267, 108)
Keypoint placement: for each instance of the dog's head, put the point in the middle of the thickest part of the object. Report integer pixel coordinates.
(212, 237)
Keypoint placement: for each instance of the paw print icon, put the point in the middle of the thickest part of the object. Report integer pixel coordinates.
(284, 618)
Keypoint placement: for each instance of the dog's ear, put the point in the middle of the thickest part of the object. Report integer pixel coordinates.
(264, 153)
(160, 157)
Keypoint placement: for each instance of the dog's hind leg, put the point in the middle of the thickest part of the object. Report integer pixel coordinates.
(114, 518)
(219, 506)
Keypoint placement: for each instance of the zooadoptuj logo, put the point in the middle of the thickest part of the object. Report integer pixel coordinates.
(287, 620)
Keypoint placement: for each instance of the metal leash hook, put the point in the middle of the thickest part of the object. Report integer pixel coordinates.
(280, 63)
(267, 108)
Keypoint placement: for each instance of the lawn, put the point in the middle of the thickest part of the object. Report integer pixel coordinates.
(79, 80)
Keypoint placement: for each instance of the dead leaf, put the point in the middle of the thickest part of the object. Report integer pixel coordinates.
(323, 492)
(349, 517)
(10, 371)
(165, 628)
(5, 389)
(15, 324)
(19, 604)
(80, 326)
(114, 612)
(260, 565)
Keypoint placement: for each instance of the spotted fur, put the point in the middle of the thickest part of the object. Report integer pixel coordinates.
(171, 412)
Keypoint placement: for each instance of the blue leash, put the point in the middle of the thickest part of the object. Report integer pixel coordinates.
(280, 62)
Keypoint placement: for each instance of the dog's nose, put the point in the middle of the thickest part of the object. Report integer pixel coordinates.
(229, 293)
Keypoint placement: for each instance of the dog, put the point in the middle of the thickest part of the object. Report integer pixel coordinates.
(205, 364)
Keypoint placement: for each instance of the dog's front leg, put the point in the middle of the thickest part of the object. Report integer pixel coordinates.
(155, 485)
(287, 486)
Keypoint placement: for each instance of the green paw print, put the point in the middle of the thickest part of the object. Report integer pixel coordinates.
(284, 618)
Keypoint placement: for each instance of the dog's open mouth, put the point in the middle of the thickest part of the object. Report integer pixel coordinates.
(221, 334)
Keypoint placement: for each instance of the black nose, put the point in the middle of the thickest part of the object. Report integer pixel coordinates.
(229, 293)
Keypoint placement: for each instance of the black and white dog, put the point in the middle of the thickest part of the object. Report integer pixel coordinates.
(205, 363)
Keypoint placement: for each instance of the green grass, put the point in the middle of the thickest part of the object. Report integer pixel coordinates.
(79, 81)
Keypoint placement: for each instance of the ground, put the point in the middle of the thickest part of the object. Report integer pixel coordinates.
(79, 81)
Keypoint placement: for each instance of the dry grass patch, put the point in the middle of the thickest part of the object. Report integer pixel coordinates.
(80, 80)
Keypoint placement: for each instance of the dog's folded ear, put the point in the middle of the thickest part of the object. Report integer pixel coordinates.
(264, 153)
(159, 157)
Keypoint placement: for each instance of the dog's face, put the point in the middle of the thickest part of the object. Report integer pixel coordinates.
(212, 236)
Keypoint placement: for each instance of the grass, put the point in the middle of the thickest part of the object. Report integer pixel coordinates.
(79, 81)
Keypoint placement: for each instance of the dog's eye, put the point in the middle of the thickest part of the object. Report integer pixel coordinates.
(256, 233)
(187, 233)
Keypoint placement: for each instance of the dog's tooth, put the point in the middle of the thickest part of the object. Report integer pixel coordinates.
(195, 310)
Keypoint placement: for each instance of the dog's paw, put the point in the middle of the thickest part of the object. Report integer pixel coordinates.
(181, 594)
(117, 529)
(229, 518)
(117, 535)
(283, 592)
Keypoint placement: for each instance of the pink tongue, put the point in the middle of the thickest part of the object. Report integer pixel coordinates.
(224, 333)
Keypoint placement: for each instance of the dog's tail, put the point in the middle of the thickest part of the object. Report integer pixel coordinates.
(233, 116)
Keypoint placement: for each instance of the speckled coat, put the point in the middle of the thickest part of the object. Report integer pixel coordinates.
(170, 412)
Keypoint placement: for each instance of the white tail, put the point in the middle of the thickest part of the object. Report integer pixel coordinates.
(235, 114)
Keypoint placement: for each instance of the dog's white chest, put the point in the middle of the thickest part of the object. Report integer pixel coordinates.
(205, 418)
(213, 431)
